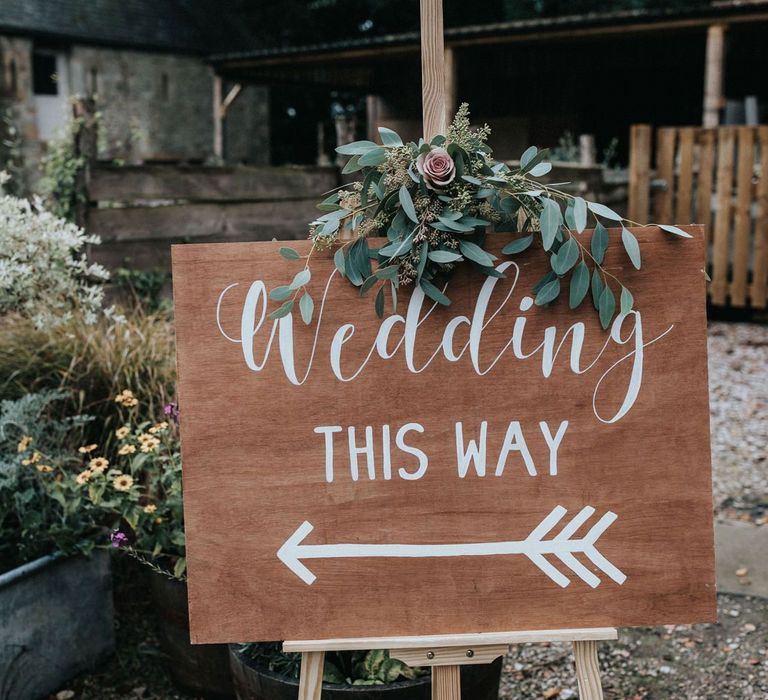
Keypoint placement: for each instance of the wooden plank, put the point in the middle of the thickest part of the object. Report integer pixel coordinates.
(311, 676)
(446, 683)
(203, 183)
(714, 73)
(723, 215)
(460, 640)
(640, 172)
(683, 204)
(704, 183)
(665, 170)
(260, 220)
(743, 216)
(432, 69)
(587, 670)
(448, 656)
(665, 173)
(354, 521)
(758, 294)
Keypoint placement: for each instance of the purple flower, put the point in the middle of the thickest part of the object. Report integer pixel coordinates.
(171, 410)
(118, 538)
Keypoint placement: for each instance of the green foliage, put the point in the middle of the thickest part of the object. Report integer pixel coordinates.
(374, 667)
(434, 201)
(41, 512)
(11, 156)
(62, 168)
(145, 287)
(93, 364)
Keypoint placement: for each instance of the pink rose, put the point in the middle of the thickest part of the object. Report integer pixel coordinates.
(437, 168)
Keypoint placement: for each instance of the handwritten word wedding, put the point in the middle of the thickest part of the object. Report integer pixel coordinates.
(397, 339)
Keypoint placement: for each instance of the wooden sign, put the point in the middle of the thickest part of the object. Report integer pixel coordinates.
(491, 465)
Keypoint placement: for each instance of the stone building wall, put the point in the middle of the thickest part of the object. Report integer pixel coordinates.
(154, 106)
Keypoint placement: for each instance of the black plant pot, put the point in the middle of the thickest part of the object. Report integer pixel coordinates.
(199, 669)
(254, 682)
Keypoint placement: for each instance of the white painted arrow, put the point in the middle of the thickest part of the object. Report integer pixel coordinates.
(563, 546)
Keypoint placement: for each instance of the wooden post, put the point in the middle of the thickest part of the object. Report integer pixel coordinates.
(587, 670)
(218, 118)
(446, 683)
(639, 172)
(451, 87)
(713, 75)
(311, 676)
(432, 68)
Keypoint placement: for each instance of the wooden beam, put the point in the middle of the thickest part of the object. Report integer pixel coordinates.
(713, 75)
(218, 118)
(432, 68)
(451, 83)
(230, 98)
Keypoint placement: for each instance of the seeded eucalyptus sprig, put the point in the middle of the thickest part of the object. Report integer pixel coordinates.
(434, 202)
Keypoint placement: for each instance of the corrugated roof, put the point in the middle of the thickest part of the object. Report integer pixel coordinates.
(512, 27)
(194, 26)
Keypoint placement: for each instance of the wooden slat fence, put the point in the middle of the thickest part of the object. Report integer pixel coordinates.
(717, 177)
(140, 210)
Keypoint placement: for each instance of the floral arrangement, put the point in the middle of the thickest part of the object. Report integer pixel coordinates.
(434, 202)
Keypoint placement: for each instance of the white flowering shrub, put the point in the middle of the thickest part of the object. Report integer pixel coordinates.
(44, 272)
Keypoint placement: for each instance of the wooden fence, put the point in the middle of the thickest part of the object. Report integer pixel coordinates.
(717, 177)
(140, 210)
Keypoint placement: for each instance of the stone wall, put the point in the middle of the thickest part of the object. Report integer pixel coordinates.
(154, 106)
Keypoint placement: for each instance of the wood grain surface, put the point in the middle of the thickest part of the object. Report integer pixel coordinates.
(255, 468)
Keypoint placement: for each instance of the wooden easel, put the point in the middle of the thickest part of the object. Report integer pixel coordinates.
(445, 654)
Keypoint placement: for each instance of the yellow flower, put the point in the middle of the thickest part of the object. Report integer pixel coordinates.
(122, 433)
(158, 427)
(158, 520)
(86, 449)
(126, 398)
(122, 482)
(98, 464)
(126, 450)
(83, 476)
(149, 445)
(44, 468)
(26, 462)
(24, 443)
(36, 457)
(151, 508)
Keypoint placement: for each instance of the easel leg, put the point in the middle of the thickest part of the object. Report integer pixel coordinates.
(446, 683)
(587, 670)
(311, 679)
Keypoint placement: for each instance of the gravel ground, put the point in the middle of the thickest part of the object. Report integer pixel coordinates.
(738, 382)
(727, 661)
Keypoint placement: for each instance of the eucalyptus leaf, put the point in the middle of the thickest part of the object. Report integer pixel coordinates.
(352, 165)
(627, 301)
(580, 214)
(388, 273)
(389, 137)
(289, 253)
(599, 243)
(280, 293)
(579, 284)
(606, 306)
(406, 202)
(443, 256)
(422, 260)
(597, 288)
(379, 303)
(434, 293)
(528, 156)
(338, 260)
(546, 279)
(631, 246)
(518, 246)
(674, 229)
(602, 210)
(475, 252)
(551, 220)
(566, 257)
(284, 310)
(356, 148)
(306, 307)
(368, 284)
(540, 170)
(549, 292)
(373, 157)
(301, 278)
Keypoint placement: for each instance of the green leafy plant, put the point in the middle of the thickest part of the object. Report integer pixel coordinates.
(434, 202)
(374, 667)
(145, 287)
(41, 511)
(62, 169)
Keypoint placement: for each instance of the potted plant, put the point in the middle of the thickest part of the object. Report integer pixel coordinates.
(264, 672)
(55, 587)
(137, 490)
